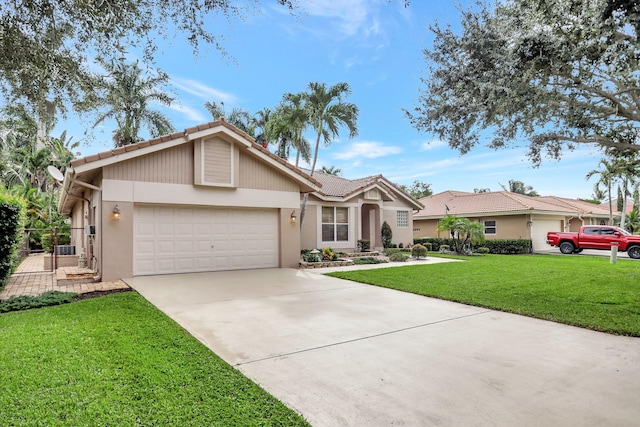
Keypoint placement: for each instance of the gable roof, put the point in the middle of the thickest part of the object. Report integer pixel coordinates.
(82, 169)
(502, 203)
(334, 186)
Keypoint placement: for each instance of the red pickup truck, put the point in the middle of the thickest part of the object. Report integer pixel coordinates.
(596, 237)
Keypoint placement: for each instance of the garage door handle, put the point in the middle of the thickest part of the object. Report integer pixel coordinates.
(212, 246)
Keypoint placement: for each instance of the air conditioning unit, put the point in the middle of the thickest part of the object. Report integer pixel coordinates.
(66, 249)
(89, 230)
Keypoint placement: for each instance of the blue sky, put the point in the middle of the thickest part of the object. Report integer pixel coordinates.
(375, 46)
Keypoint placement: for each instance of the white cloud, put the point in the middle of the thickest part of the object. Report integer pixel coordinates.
(432, 145)
(203, 91)
(191, 113)
(367, 149)
(351, 15)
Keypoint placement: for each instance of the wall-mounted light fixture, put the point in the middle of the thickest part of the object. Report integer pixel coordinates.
(293, 218)
(116, 213)
(529, 223)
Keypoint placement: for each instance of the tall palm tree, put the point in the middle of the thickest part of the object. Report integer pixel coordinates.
(261, 119)
(291, 119)
(608, 175)
(327, 113)
(127, 94)
(238, 117)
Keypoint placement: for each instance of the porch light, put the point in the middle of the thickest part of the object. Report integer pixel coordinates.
(293, 217)
(116, 213)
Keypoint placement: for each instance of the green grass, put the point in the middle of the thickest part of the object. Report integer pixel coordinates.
(118, 361)
(576, 290)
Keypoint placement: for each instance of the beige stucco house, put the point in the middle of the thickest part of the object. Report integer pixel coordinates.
(204, 199)
(507, 215)
(343, 211)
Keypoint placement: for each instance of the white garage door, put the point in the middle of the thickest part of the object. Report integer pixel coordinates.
(189, 239)
(539, 229)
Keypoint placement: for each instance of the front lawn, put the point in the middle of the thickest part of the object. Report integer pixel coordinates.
(576, 290)
(118, 361)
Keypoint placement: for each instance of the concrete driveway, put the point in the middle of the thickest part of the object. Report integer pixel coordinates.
(343, 353)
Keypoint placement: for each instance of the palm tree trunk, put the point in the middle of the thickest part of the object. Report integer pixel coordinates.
(623, 214)
(610, 206)
(313, 167)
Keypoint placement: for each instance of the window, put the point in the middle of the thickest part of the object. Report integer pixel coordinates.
(415, 230)
(335, 224)
(490, 227)
(402, 219)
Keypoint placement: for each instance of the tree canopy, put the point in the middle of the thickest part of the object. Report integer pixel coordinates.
(45, 45)
(554, 72)
(418, 189)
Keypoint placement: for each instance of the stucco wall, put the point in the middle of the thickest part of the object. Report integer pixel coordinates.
(117, 241)
(289, 239)
(507, 227)
(402, 235)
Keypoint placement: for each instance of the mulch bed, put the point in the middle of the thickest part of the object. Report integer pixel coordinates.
(96, 294)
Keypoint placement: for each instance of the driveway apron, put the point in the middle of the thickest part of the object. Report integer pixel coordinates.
(344, 353)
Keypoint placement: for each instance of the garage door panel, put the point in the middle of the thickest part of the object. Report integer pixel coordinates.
(179, 240)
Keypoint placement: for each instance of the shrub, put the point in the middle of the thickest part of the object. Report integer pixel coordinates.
(498, 246)
(400, 245)
(307, 256)
(368, 260)
(328, 254)
(418, 251)
(399, 257)
(483, 250)
(387, 235)
(391, 251)
(25, 302)
(364, 245)
(12, 213)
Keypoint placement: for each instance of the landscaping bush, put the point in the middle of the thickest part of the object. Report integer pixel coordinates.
(391, 251)
(329, 255)
(307, 256)
(12, 212)
(368, 260)
(501, 246)
(387, 235)
(418, 251)
(398, 257)
(364, 245)
(482, 250)
(25, 302)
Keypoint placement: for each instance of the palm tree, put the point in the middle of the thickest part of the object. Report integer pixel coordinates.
(607, 174)
(331, 170)
(261, 120)
(290, 121)
(128, 95)
(633, 220)
(242, 119)
(327, 113)
(463, 231)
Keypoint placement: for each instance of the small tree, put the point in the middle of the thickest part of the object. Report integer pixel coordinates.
(387, 235)
(463, 231)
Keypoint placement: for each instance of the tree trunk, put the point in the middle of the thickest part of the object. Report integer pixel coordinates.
(313, 167)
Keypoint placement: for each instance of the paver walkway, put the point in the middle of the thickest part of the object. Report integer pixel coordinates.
(30, 279)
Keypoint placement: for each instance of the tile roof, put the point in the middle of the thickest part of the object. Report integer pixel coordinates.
(336, 186)
(461, 203)
(185, 134)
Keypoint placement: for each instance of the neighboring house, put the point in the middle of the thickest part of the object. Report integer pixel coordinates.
(204, 199)
(507, 215)
(344, 211)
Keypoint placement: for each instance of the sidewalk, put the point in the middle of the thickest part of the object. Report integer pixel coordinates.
(30, 279)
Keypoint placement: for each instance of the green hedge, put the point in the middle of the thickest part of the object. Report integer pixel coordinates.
(501, 246)
(12, 214)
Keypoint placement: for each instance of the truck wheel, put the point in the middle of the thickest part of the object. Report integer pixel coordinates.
(577, 251)
(634, 252)
(567, 248)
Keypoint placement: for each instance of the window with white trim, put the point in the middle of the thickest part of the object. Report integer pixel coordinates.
(402, 219)
(335, 224)
(490, 227)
